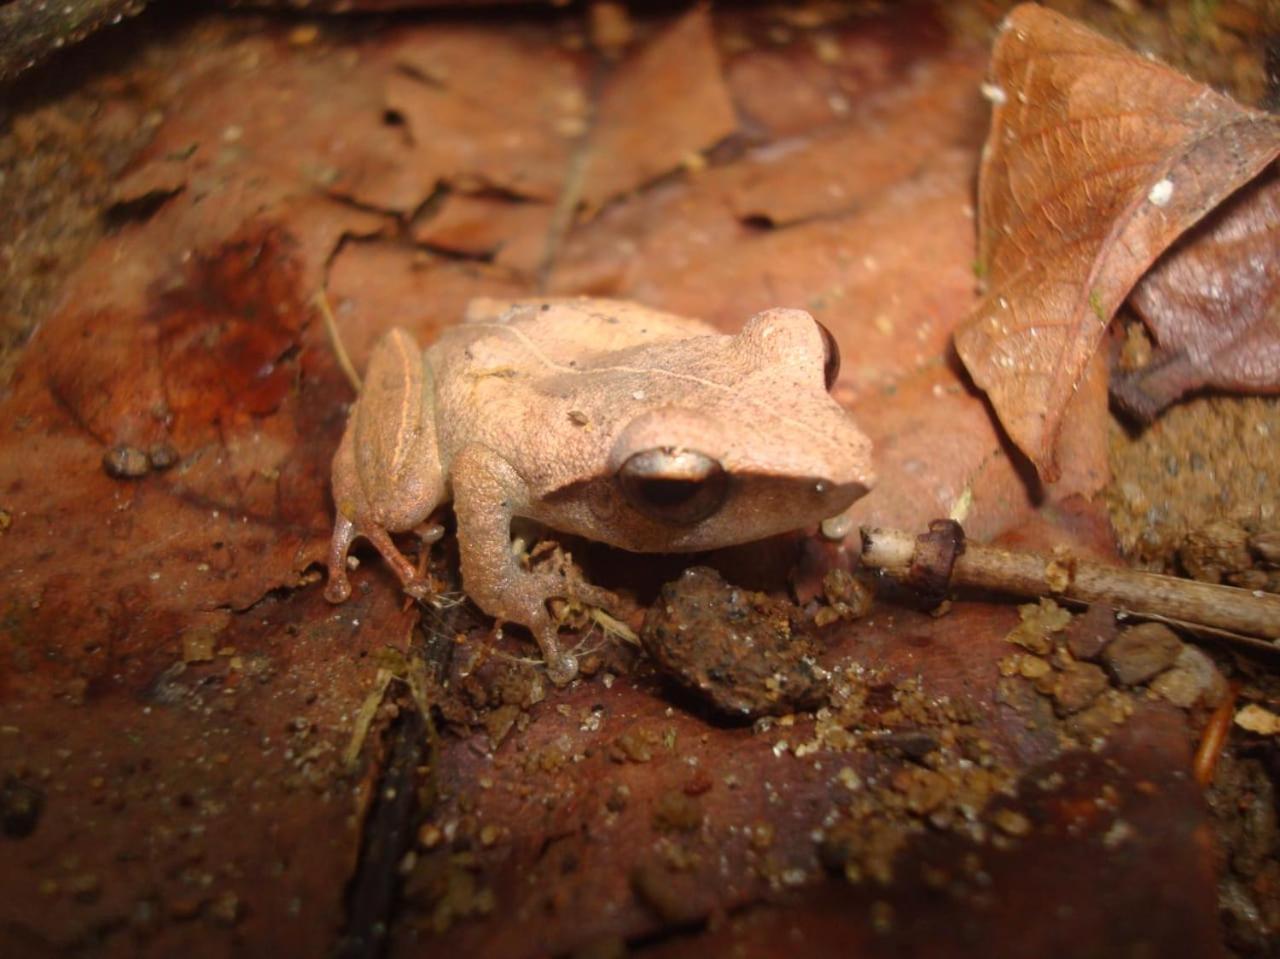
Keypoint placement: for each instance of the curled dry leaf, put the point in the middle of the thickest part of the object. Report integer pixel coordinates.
(1098, 159)
(1213, 303)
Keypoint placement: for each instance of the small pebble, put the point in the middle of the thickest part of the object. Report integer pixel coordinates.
(161, 456)
(1256, 719)
(1091, 631)
(1215, 550)
(1011, 823)
(125, 462)
(1078, 685)
(1194, 679)
(1142, 652)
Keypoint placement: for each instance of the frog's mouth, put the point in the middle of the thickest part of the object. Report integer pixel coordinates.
(675, 514)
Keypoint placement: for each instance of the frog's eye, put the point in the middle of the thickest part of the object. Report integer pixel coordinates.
(676, 486)
(830, 357)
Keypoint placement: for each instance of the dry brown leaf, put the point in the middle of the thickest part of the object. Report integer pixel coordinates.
(849, 165)
(935, 437)
(187, 332)
(510, 233)
(1213, 303)
(660, 109)
(1098, 159)
(315, 124)
(786, 83)
(487, 108)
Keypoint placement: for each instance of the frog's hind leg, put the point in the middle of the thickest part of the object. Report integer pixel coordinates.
(339, 586)
(386, 473)
(345, 532)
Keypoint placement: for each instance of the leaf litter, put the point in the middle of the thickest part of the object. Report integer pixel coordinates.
(406, 171)
(1098, 159)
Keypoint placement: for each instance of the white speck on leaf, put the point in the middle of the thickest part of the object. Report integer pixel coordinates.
(1161, 192)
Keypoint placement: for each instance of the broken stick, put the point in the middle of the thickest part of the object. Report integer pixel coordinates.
(941, 558)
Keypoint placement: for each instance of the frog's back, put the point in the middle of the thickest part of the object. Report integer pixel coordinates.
(567, 332)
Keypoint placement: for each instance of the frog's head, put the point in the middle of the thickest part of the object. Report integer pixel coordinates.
(769, 452)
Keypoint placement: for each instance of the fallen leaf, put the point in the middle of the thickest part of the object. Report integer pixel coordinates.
(935, 436)
(185, 332)
(849, 165)
(318, 124)
(496, 109)
(490, 227)
(659, 111)
(1098, 159)
(1213, 304)
(787, 83)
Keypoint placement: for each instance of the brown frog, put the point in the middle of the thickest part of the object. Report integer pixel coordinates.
(628, 426)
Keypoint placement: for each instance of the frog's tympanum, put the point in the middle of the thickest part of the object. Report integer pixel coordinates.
(640, 429)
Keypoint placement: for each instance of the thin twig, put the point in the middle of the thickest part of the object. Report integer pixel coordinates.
(335, 340)
(575, 179)
(1252, 613)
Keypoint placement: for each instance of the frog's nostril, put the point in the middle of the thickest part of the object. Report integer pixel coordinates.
(671, 485)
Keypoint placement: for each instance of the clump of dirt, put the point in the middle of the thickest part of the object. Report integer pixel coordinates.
(954, 780)
(746, 653)
(947, 783)
(1050, 686)
(1208, 460)
(1243, 804)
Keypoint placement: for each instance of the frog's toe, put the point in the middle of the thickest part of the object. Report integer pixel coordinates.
(338, 589)
(562, 669)
(562, 665)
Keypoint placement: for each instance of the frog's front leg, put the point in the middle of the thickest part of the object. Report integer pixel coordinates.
(487, 493)
(386, 474)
